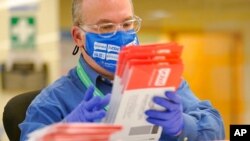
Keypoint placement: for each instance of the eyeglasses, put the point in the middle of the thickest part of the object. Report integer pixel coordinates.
(108, 30)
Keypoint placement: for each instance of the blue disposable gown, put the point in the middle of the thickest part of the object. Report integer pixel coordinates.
(201, 121)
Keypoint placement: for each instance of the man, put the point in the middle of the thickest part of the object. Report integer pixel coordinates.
(70, 99)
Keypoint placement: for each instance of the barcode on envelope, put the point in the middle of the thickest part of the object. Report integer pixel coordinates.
(143, 130)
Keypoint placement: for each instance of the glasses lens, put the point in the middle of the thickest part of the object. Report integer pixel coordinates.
(128, 25)
(107, 28)
(132, 26)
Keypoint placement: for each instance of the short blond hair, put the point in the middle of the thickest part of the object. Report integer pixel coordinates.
(77, 18)
(76, 12)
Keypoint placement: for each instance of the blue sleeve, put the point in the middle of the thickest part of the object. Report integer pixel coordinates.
(201, 120)
(40, 114)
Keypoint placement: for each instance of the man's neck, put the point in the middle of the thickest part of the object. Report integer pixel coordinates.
(104, 73)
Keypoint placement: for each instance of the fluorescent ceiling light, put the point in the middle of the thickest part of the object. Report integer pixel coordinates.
(159, 14)
(7, 4)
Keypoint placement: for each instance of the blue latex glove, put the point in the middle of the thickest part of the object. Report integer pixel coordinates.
(91, 108)
(170, 119)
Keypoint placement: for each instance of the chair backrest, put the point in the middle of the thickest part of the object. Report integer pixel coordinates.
(14, 113)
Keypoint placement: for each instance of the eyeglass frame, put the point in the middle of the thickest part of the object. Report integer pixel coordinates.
(117, 25)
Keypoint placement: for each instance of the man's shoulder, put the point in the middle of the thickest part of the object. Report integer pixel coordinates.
(62, 88)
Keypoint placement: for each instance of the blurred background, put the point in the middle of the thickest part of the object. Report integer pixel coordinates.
(36, 47)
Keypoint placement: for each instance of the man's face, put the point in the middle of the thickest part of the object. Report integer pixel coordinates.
(106, 11)
(96, 12)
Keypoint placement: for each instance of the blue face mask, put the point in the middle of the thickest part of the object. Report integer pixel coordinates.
(105, 50)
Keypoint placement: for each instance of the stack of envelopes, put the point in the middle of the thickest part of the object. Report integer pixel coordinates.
(143, 71)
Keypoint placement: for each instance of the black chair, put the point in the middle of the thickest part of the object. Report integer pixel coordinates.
(14, 113)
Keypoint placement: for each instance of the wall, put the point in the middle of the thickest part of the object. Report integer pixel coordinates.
(46, 13)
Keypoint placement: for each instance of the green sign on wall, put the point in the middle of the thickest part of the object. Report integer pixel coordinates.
(22, 32)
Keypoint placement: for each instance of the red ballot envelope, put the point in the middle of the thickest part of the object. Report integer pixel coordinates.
(75, 132)
(144, 50)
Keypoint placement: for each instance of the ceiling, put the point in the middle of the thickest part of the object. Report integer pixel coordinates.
(183, 14)
(193, 14)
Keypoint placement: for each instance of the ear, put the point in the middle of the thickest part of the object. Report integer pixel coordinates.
(78, 36)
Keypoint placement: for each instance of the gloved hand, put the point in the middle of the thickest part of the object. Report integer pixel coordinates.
(91, 108)
(171, 119)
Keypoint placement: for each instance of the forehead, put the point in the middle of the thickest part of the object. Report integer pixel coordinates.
(112, 10)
